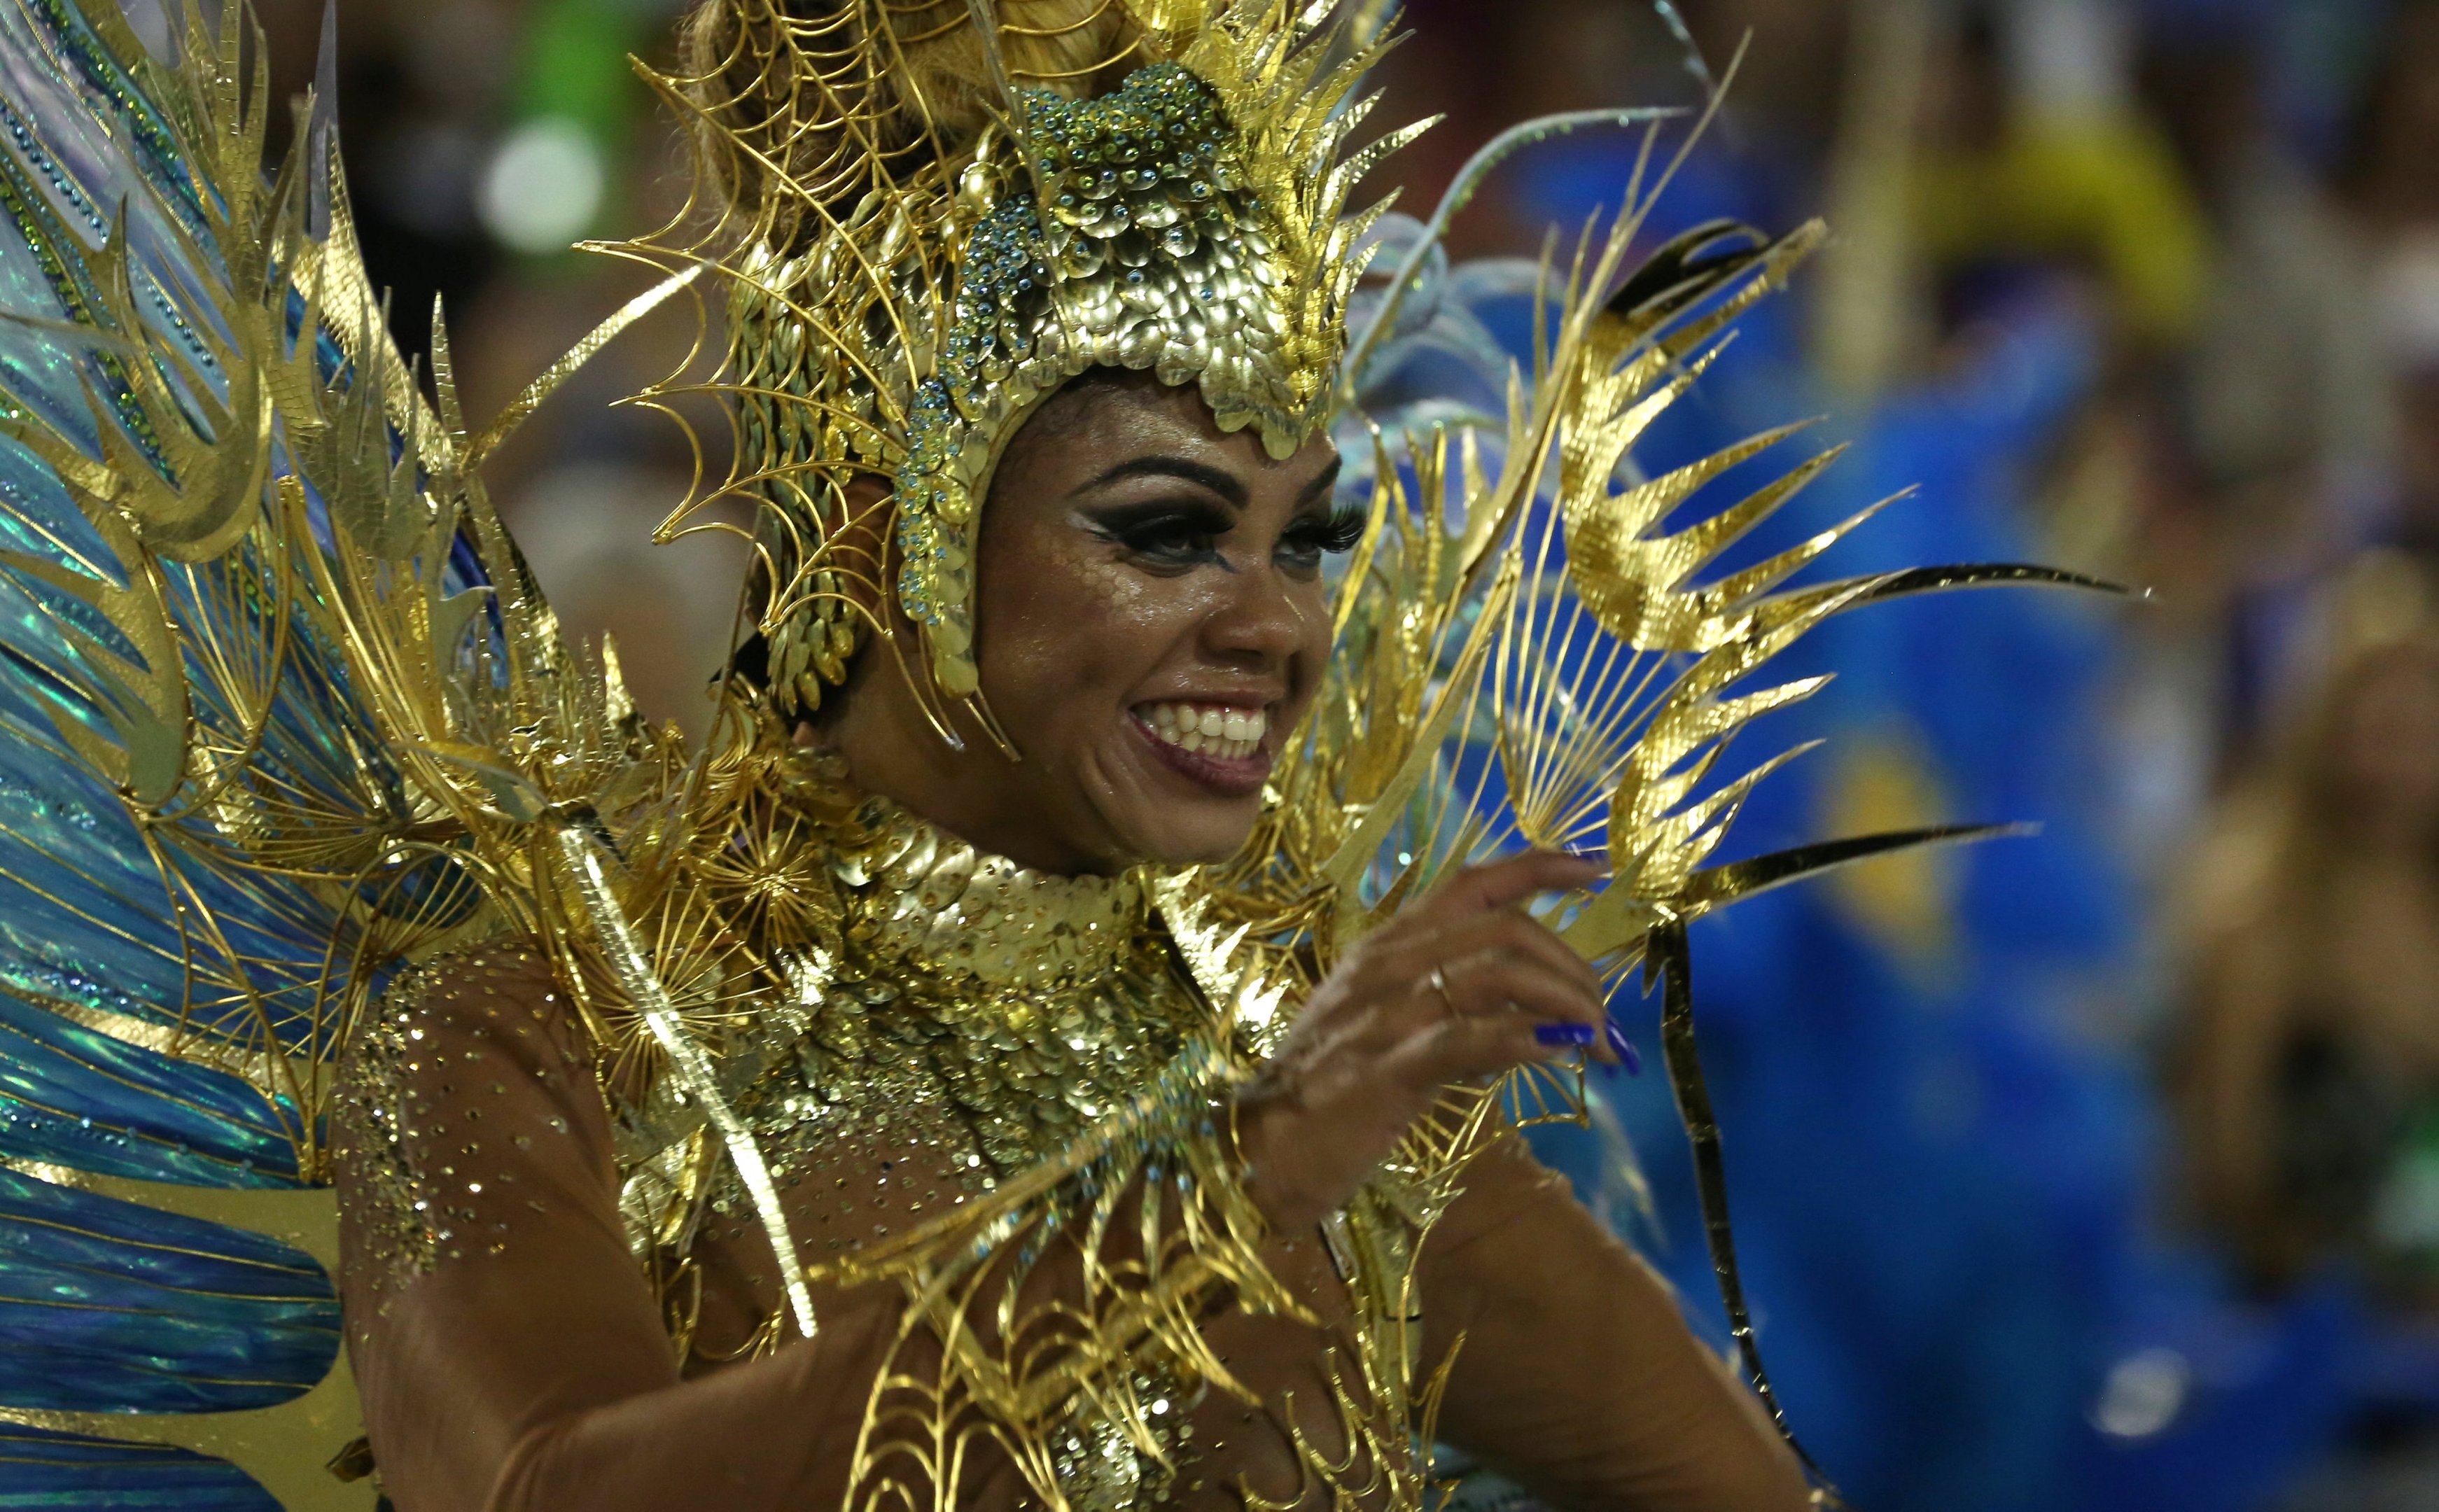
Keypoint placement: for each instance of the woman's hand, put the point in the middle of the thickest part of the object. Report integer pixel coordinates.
(1461, 986)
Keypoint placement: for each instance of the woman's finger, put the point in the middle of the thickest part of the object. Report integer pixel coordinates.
(1495, 935)
(1464, 1049)
(1505, 987)
(1499, 885)
(1413, 952)
(1532, 939)
(1482, 984)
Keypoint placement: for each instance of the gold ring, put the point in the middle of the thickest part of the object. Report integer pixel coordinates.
(1437, 981)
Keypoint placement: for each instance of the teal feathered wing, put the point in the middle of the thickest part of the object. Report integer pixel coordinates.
(265, 661)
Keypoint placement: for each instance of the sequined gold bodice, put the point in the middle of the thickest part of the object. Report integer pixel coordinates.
(1008, 1095)
(990, 1011)
(942, 1001)
(955, 1023)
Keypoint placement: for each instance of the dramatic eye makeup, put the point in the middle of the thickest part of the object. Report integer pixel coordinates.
(1318, 533)
(1178, 531)
(1163, 532)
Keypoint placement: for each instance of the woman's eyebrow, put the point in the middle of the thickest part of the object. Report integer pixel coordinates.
(1217, 480)
(1322, 482)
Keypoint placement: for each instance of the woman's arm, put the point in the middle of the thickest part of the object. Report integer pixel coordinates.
(1576, 1376)
(509, 1354)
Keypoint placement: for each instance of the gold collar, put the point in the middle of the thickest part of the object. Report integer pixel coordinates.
(914, 893)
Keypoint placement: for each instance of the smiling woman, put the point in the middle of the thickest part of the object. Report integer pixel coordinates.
(1104, 1200)
(1061, 1039)
(1150, 610)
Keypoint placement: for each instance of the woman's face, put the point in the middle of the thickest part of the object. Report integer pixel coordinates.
(1150, 624)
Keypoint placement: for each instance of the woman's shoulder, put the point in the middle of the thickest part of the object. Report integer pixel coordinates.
(501, 998)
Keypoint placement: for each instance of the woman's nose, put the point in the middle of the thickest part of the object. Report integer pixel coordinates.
(1259, 622)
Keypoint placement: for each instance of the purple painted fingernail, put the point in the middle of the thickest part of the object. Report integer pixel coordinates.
(1622, 1047)
(1575, 1034)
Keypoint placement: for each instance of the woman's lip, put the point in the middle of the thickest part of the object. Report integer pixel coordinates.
(1237, 779)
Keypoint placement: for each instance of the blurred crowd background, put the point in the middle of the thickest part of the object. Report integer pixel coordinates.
(2092, 1171)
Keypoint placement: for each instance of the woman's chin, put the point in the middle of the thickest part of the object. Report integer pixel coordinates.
(1169, 829)
(1180, 836)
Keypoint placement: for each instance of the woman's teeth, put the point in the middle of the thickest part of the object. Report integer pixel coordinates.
(1226, 734)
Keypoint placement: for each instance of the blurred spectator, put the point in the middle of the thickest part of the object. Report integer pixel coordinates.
(2313, 1042)
(2287, 410)
(2034, 150)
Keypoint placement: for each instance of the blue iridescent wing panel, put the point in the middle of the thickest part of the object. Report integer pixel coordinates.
(108, 1305)
(42, 1468)
(177, 952)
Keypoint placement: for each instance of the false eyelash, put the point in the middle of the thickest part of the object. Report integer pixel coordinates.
(1158, 527)
(1342, 529)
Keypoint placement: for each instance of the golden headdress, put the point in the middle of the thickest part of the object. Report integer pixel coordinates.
(934, 220)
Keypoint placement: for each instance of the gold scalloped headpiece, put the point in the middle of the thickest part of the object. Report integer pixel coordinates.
(948, 211)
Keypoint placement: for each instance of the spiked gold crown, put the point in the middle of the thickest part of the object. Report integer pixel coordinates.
(937, 215)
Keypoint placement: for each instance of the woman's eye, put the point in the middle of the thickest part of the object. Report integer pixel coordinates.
(1309, 539)
(1165, 536)
(1175, 536)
